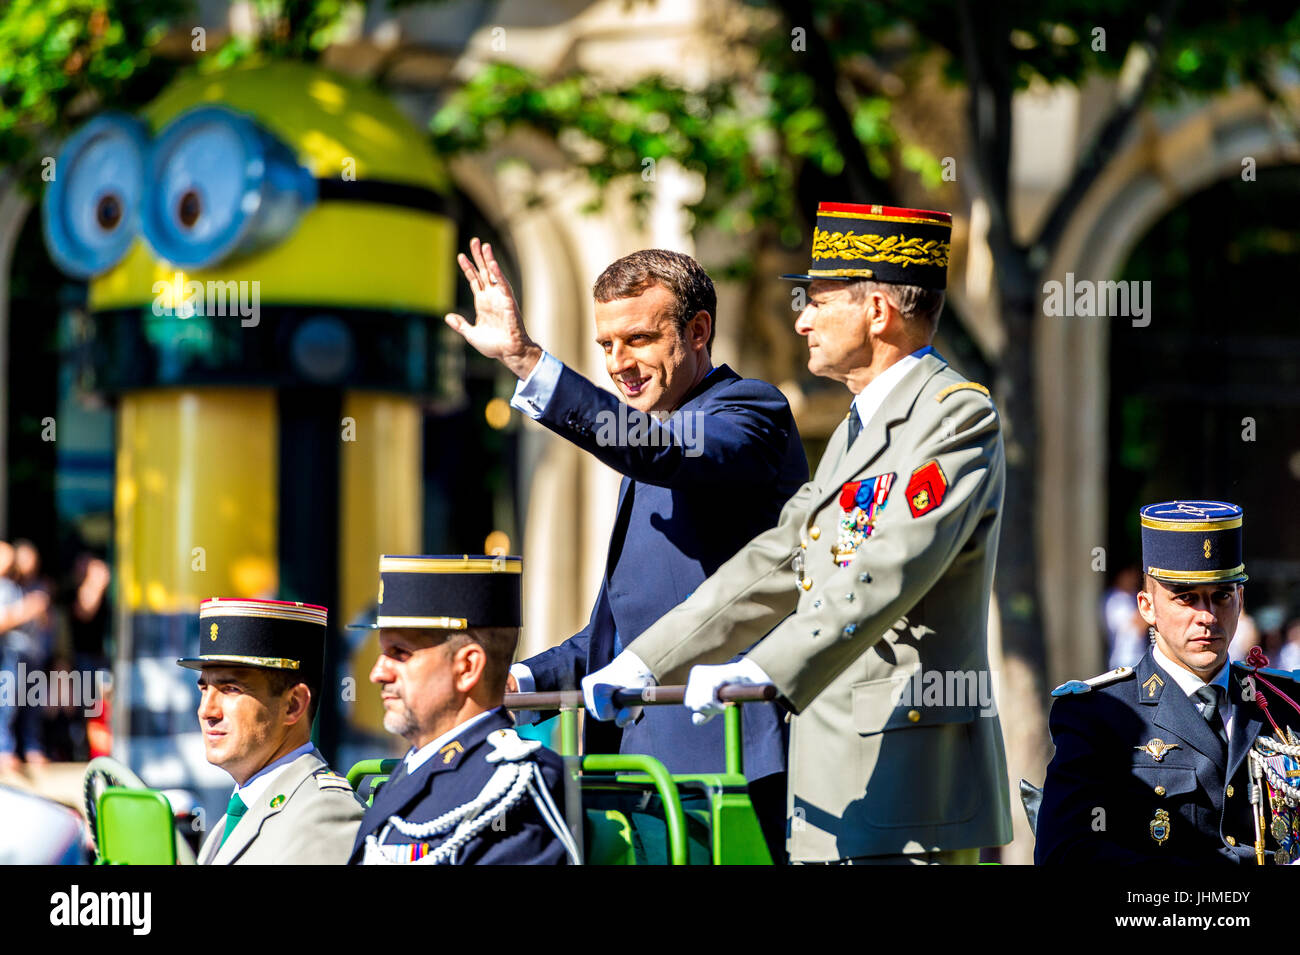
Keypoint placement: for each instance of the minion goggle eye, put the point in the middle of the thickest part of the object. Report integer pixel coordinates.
(219, 186)
(91, 207)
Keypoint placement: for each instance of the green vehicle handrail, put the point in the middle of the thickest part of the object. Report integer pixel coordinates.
(370, 767)
(569, 702)
(663, 782)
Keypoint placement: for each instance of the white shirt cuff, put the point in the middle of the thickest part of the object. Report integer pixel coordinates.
(533, 393)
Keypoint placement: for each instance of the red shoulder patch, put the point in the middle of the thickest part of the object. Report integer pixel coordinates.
(926, 488)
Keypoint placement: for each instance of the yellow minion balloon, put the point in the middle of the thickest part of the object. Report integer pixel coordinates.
(269, 255)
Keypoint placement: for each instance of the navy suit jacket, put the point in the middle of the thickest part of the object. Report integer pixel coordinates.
(680, 517)
(1103, 762)
(454, 776)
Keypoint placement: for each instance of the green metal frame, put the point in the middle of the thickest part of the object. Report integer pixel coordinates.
(371, 767)
(736, 838)
(134, 827)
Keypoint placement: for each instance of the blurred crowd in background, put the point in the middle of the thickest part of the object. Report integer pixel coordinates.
(50, 626)
(1274, 629)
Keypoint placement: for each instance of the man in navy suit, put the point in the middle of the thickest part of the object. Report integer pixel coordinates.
(708, 460)
(470, 791)
(1154, 763)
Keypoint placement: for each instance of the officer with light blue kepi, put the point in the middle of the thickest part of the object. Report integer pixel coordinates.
(1185, 757)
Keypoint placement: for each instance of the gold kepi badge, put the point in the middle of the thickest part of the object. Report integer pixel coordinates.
(1159, 827)
(1157, 748)
(212, 631)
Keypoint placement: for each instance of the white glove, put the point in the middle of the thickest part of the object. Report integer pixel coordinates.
(624, 672)
(703, 683)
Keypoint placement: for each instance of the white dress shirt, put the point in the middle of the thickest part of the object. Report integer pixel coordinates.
(1189, 683)
(870, 398)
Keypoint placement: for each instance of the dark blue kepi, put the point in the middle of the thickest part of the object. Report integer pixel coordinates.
(448, 592)
(1192, 542)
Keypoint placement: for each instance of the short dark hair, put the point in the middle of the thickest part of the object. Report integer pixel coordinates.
(279, 682)
(498, 643)
(917, 305)
(679, 274)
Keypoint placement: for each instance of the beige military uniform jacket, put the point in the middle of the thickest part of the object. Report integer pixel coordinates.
(883, 759)
(307, 815)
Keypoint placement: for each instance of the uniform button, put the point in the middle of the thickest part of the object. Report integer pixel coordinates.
(864, 578)
(914, 715)
(849, 597)
(806, 583)
(1160, 790)
(816, 604)
(1229, 792)
(1231, 841)
(814, 532)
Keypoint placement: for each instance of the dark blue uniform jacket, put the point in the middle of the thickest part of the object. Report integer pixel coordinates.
(456, 775)
(680, 517)
(1105, 785)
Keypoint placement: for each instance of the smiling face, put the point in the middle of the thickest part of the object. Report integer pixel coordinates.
(650, 360)
(837, 330)
(245, 724)
(1194, 624)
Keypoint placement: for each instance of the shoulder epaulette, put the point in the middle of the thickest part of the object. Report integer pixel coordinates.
(328, 779)
(508, 746)
(1072, 687)
(1270, 673)
(962, 386)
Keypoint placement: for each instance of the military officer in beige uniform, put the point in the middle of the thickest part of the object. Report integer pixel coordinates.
(260, 680)
(867, 604)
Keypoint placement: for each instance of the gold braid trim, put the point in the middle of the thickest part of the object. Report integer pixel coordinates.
(897, 249)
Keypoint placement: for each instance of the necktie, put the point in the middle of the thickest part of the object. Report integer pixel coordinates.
(235, 810)
(855, 425)
(1211, 697)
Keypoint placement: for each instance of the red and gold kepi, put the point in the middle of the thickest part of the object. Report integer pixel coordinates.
(267, 634)
(884, 243)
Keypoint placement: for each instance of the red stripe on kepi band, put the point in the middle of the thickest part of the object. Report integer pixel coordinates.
(858, 209)
(926, 488)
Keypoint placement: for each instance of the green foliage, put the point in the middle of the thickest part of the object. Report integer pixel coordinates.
(61, 60)
(59, 56)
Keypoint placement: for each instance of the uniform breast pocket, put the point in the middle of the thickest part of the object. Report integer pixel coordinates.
(917, 758)
(1166, 781)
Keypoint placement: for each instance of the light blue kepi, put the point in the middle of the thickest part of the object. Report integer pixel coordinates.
(1183, 543)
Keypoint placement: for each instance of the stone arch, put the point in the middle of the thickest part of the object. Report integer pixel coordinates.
(1170, 159)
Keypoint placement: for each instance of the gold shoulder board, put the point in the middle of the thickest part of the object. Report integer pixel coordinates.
(962, 386)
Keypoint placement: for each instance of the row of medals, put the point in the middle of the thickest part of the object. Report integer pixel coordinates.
(1286, 818)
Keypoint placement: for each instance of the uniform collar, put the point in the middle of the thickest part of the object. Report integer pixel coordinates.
(1187, 681)
(256, 784)
(870, 398)
(418, 757)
